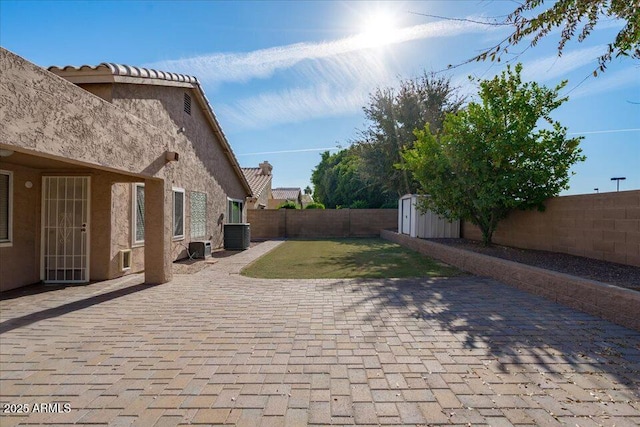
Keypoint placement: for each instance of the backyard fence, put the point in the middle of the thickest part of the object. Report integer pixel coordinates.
(603, 226)
(319, 223)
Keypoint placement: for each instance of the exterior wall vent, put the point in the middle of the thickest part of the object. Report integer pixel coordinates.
(125, 260)
(187, 104)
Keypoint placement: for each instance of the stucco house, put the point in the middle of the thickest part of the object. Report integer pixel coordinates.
(108, 170)
(260, 180)
(285, 194)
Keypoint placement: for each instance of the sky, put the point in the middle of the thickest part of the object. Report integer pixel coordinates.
(289, 80)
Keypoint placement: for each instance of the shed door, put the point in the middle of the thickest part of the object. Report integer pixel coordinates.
(406, 216)
(65, 229)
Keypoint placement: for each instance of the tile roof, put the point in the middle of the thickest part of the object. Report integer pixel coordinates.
(126, 70)
(257, 180)
(120, 73)
(286, 193)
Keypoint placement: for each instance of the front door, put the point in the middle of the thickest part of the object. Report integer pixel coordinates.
(65, 229)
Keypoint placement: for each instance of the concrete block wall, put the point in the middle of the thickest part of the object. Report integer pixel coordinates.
(602, 226)
(320, 223)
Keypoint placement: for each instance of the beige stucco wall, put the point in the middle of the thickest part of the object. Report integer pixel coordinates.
(44, 116)
(49, 119)
(203, 166)
(16, 269)
(102, 90)
(73, 125)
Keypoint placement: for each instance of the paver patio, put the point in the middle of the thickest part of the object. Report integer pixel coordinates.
(215, 347)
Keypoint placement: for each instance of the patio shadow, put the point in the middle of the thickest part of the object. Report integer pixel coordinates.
(61, 310)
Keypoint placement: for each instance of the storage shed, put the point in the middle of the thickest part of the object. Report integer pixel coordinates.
(423, 225)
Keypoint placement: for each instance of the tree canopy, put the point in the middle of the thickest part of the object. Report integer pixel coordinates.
(393, 115)
(500, 154)
(337, 183)
(532, 21)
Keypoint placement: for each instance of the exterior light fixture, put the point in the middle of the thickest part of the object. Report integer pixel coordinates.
(618, 179)
(171, 156)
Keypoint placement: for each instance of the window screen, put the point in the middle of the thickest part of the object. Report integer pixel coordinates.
(198, 214)
(138, 218)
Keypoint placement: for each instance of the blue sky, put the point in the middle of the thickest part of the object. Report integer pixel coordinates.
(288, 80)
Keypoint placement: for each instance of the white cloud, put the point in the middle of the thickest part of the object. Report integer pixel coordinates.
(553, 67)
(327, 87)
(263, 63)
(302, 150)
(292, 105)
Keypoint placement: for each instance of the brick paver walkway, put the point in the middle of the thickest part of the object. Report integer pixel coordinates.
(215, 347)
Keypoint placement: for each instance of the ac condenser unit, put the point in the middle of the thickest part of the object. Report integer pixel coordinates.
(200, 249)
(237, 237)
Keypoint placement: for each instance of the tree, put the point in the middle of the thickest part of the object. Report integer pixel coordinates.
(494, 157)
(393, 115)
(337, 182)
(569, 14)
(288, 205)
(314, 205)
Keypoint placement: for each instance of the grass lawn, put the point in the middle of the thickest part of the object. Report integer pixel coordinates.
(345, 258)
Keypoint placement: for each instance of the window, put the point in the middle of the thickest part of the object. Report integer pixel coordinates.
(234, 212)
(198, 214)
(178, 213)
(6, 207)
(138, 214)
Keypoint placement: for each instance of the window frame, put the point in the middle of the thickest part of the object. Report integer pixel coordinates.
(175, 236)
(8, 242)
(230, 202)
(203, 235)
(134, 217)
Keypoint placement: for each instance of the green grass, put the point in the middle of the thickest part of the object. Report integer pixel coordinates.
(345, 258)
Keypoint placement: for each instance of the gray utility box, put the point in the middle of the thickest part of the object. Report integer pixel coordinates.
(237, 237)
(200, 249)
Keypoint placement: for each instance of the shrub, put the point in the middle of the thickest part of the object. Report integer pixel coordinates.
(390, 205)
(315, 205)
(288, 205)
(359, 204)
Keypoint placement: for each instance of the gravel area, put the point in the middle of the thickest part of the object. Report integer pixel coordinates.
(625, 276)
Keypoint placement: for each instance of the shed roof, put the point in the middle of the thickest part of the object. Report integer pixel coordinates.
(109, 72)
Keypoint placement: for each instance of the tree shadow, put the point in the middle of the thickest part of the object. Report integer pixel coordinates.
(383, 259)
(512, 327)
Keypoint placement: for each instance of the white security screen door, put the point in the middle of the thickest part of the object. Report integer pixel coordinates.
(65, 229)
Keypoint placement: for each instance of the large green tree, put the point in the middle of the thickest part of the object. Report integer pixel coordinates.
(500, 154)
(337, 182)
(393, 114)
